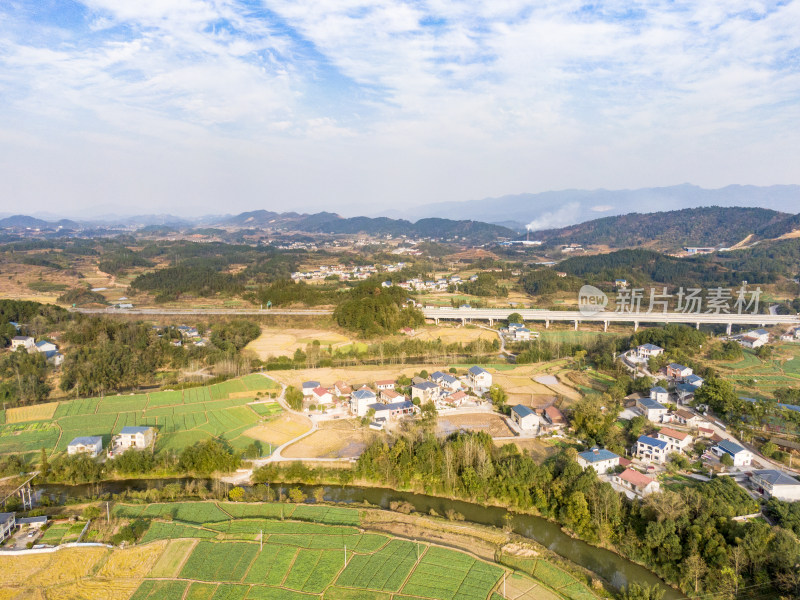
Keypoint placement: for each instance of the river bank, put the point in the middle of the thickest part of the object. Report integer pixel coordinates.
(605, 564)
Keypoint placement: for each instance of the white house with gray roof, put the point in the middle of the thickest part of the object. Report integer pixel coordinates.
(772, 483)
(479, 378)
(91, 445)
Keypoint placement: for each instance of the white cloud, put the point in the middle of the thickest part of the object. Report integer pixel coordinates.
(484, 99)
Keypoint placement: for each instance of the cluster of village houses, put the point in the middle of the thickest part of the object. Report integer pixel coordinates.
(346, 273)
(188, 333)
(49, 349)
(655, 449)
(388, 404)
(517, 332)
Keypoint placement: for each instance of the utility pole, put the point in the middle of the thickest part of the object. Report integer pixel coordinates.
(108, 513)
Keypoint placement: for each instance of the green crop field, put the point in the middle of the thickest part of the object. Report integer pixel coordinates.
(253, 552)
(182, 417)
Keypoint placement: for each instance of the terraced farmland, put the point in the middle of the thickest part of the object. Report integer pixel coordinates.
(201, 551)
(182, 417)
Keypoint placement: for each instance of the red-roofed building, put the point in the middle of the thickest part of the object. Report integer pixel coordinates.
(342, 389)
(554, 417)
(391, 395)
(705, 431)
(455, 399)
(677, 441)
(322, 395)
(385, 384)
(638, 483)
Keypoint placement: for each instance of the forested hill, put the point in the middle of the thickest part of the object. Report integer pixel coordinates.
(671, 230)
(332, 223)
(764, 263)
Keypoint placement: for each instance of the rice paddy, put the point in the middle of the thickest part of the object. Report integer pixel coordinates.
(271, 551)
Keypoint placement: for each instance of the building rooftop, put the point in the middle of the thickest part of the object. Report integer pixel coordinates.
(597, 455)
(651, 404)
(678, 435)
(363, 394)
(476, 370)
(635, 478)
(89, 440)
(775, 477)
(522, 410)
(730, 447)
(650, 347)
(646, 439)
(658, 390)
(311, 384)
(134, 430)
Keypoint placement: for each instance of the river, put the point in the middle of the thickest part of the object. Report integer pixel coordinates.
(608, 565)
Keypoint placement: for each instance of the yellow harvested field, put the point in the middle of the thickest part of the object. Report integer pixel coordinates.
(94, 589)
(68, 565)
(331, 443)
(35, 412)
(449, 335)
(18, 569)
(283, 342)
(172, 559)
(353, 375)
(280, 430)
(537, 448)
(133, 562)
(490, 423)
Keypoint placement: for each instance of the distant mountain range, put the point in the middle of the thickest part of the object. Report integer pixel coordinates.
(549, 210)
(707, 226)
(324, 222)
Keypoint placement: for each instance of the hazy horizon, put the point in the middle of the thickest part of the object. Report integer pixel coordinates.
(197, 107)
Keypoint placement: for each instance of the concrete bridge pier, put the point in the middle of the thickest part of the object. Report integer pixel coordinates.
(576, 324)
(436, 320)
(636, 325)
(605, 325)
(491, 322)
(728, 328)
(463, 320)
(697, 325)
(546, 324)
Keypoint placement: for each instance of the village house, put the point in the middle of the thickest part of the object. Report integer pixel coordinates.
(647, 351)
(753, 339)
(392, 411)
(602, 461)
(678, 372)
(7, 525)
(44, 346)
(309, 387)
(390, 395)
(677, 441)
(650, 449)
(385, 384)
(659, 394)
(479, 378)
(22, 341)
(741, 456)
(342, 390)
(91, 445)
(638, 483)
(360, 401)
(454, 400)
(694, 380)
(134, 437)
(525, 417)
(554, 417)
(322, 395)
(772, 483)
(426, 391)
(651, 409)
(687, 418)
(705, 432)
(449, 383)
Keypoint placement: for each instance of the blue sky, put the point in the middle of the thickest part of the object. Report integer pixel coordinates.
(211, 106)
